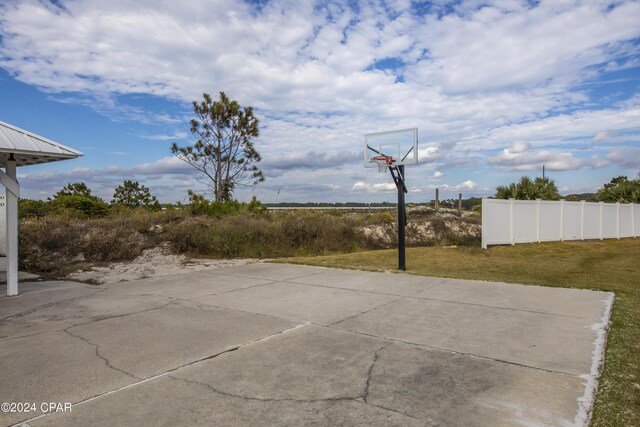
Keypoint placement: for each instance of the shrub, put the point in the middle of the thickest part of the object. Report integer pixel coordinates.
(132, 194)
(271, 235)
(527, 189)
(201, 206)
(55, 243)
(58, 243)
(620, 189)
(79, 206)
(74, 189)
(33, 208)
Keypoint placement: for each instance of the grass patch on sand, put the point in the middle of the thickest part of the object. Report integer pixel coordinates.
(609, 265)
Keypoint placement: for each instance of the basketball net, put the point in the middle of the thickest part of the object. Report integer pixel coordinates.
(383, 162)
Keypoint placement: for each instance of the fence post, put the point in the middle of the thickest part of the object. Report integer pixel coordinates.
(582, 202)
(601, 205)
(618, 220)
(633, 219)
(562, 220)
(511, 233)
(483, 210)
(538, 201)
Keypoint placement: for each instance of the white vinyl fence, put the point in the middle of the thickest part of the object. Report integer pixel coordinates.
(524, 221)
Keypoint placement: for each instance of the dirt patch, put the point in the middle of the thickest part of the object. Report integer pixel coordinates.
(158, 261)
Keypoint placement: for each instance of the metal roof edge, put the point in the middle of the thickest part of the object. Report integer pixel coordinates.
(72, 153)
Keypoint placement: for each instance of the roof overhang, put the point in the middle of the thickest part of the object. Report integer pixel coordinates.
(27, 148)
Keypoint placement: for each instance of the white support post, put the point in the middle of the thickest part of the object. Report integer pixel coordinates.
(618, 220)
(511, 225)
(601, 205)
(562, 220)
(11, 206)
(582, 203)
(538, 201)
(633, 220)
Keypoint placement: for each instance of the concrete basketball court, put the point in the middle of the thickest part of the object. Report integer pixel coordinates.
(273, 344)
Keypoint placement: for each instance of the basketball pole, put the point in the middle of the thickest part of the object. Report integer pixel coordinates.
(380, 148)
(398, 178)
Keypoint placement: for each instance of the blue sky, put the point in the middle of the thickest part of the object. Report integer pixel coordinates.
(496, 89)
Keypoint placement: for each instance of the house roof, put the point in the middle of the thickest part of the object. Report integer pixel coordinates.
(29, 148)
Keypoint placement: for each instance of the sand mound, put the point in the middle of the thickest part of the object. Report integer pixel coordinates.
(154, 262)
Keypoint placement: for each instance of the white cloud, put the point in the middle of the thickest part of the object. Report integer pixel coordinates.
(524, 43)
(519, 147)
(467, 185)
(520, 157)
(430, 154)
(310, 160)
(438, 174)
(627, 157)
(172, 137)
(601, 136)
(374, 188)
(289, 56)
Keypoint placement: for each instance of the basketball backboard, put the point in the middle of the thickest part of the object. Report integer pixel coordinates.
(401, 145)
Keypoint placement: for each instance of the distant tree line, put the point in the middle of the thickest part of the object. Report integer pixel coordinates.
(328, 205)
(452, 203)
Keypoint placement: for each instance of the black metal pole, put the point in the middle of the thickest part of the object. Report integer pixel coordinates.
(402, 218)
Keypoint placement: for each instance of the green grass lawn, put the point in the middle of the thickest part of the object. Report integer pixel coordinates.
(609, 265)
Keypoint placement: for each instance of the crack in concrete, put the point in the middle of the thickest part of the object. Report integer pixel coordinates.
(233, 290)
(97, 346)
(346, 289)
(369, 291)
(414, 295)
(166, 373)
(365, 394)
(396, 412)
(116, 316)
(43, 306)
(366, 311)
(37, 333)
(97, 351)
(362, 398)
(94, 320)
(276, 280)
(523, 310)
(447, 350)
(219, 307)
(263, 399)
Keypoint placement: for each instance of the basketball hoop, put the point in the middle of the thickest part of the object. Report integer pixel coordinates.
(383, 162)
(392, 151)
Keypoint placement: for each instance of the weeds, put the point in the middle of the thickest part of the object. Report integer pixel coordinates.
(54, 243)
